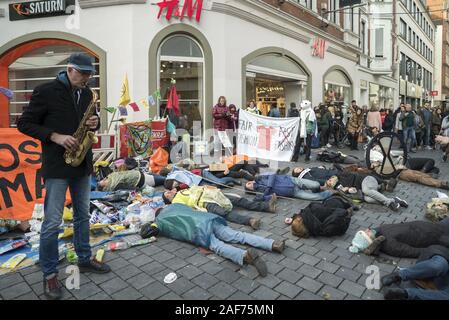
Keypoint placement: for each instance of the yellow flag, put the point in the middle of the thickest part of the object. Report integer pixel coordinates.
(124, 95)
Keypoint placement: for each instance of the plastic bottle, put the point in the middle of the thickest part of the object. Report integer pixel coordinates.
(117, 245)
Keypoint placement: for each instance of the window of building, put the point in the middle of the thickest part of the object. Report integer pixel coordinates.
(363, 36)
(337, 87)
(306, 3)
(39, 66)
(414, 10)
(403, 29)
(181, 58)
(333, 14)
(379, 50)
(402, 66)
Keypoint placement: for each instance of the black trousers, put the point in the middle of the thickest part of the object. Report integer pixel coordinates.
(308, 146)
(421, 164)
(228, 215)
(354, 138)
(324, 136)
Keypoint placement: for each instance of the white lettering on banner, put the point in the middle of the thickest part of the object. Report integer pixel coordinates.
(32, 8)
(266, 138)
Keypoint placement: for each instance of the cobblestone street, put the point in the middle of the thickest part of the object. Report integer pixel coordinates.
(320, 268)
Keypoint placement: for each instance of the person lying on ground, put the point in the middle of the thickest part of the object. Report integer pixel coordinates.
(241, 162)
(129, 180)
(211, 199)
(368, 185)
(329, 218)
(183, 179)
(408, 175)
(320, 174)
(402, 240)
(287, 186)
(431, 273)
(210, 231)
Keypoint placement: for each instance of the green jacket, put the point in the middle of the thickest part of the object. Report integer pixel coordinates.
(323, 121)
(182, 223)
(123, 180)
(196, 197)
(408, 121)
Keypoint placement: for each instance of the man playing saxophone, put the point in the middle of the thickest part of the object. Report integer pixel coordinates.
(53, 116)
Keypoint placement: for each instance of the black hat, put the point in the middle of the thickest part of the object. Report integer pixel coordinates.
(166, 200)
(82, 62)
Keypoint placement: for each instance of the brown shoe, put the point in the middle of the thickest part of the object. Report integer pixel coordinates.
(254, 223)
(52, 287)
(252, 257)
(278, 246)
(272, 203)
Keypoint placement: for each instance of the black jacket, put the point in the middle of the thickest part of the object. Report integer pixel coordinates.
(327, 219)
(411, 239)
(320, 175)
(52, 109)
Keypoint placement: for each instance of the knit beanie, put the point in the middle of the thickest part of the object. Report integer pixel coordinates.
(360, 242)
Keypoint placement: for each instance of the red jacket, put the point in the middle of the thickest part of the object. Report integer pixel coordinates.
(221, 119)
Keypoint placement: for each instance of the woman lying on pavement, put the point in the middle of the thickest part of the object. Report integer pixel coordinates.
(368, 185)
(287, 186)
(130, 180)
(402, 240)
(211, 199)
(208, 230)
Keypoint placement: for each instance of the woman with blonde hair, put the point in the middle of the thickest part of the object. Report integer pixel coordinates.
(374, 120)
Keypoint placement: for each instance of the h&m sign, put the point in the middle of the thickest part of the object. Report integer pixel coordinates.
(40, 9)
(175, 9)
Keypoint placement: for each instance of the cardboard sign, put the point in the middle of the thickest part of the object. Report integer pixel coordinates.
(214, 167)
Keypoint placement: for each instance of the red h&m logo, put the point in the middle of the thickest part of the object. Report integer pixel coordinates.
(318, 48)
(172, 7)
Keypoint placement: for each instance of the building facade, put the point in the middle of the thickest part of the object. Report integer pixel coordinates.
(269, 51)
(439, 14)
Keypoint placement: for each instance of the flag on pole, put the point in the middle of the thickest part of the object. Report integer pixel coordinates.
(123, 111)
(109, 109)
(124, 95)
(134, 106)
(319, 47)
(157, 93)
(7, 92)
(151, 101)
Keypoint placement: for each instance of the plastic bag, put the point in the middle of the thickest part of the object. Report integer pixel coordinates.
(158, 160)
(147, 214)
(442, 195)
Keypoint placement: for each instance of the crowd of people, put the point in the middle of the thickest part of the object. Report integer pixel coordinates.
(198, 202)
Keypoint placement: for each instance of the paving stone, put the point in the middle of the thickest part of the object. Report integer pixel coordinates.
(180, 286)
(197, 260)
(348, 274)
(330, 279)
(330, 293)
(152, 268)
(150, 250)
(275, 268)
(291, 253)
(129, 253)
(162, 256)
(309, 284)
(141, 260)
(197, 293)
(245, 285)
(190, 271)
(308, 249)
(34, 278)
(222, 290)
(308, 259)
(205, 281)
(351, 288)
(170, 296)
(270, 280)
(211, 267)
(372, 295)
(309, 271)
(15, 291)
(326, 256)
(184, 253)
(289, 275)
(240, 296)
(10, 280)
(99, 296)
(99, 278)
(288, 289)
(113, 285)
(345, 262)
(307, 295)
(227, 276)
(28, 296)
(154, 290)
(264, 293)
(128, 272)
(85, 291)
(291, 264)
(327, 266)
(117, 263)
(176, 263)
(140, 280)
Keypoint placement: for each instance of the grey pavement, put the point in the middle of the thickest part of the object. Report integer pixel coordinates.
(320, 268)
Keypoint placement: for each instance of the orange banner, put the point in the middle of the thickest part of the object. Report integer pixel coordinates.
(21, 183)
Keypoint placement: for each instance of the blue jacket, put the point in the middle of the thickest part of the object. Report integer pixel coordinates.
(268, 184)
(426, 116)
(180, 222)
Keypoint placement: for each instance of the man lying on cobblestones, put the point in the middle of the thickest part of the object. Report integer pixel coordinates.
(211, 199)
(403, 240)
(431, 273)
(287, 186)
(369, 186)
(208, 230)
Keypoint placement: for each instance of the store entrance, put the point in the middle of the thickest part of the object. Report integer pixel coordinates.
(267, 90)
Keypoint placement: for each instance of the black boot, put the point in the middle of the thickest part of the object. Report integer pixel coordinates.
(394, 277)
(395, 294)
(94, 267)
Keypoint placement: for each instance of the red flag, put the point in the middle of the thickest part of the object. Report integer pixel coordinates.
(173, 101)
(134, 106)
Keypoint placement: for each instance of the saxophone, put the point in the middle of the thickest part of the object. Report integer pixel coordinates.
(83, 135)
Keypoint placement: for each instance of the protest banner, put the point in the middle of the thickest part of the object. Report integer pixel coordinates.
(265, 137)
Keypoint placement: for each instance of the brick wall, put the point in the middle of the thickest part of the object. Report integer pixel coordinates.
(306, 16)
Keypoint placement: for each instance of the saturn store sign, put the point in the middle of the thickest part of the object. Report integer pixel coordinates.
(40, 9)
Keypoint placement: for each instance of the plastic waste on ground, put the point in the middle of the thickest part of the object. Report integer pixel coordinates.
(71, 256)
(170, 278)
(14, 261)
(9, 245)
(442, 195)
(99, 255)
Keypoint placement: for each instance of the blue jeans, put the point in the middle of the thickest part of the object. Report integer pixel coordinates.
(436, 268)
(309, 190)
(53, 209)
(409, 133)
(221, 234)
(213, 179)
(426, 135)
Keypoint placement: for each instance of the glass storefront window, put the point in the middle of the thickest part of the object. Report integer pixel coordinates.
(380, 96)
(336, 93)
(181, 59)
(37, 67)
